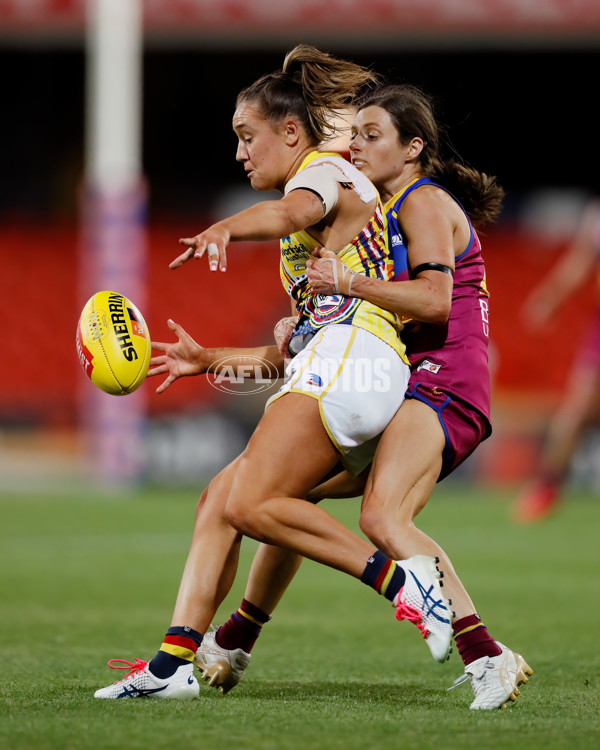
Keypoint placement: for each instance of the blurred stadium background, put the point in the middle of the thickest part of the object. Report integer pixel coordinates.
(515, 82)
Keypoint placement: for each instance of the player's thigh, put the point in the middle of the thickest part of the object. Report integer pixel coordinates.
(407, 463)
(289, 453)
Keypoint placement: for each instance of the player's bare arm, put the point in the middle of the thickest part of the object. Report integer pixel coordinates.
(186, 357)
(430, 237)
(269, 220)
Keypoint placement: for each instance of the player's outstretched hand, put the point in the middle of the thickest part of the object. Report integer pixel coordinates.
(213, 242)
(327, 274)
(181, 359)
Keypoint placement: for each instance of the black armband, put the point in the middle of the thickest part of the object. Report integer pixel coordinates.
(431, 267)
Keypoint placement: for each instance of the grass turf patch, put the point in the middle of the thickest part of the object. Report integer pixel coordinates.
(85, 579)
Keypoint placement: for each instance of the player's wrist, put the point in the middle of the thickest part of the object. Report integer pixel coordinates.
(205, 360)
(223, 228)
(355, 284)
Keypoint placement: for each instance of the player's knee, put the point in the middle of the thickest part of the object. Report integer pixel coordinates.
(240, 515)
(383, 528)
(373, 524)
(212, 501)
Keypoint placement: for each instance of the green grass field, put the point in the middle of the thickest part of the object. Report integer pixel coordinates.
(87, 578)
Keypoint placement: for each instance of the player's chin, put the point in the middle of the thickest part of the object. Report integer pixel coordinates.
(260, 183)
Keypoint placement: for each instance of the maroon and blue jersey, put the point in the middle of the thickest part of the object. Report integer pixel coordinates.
(452, 357)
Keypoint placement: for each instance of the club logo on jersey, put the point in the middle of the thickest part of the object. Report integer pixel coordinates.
(324, 309)
(430, 366)
(327, 303)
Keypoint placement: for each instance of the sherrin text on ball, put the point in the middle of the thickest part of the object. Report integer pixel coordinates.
(113, 343)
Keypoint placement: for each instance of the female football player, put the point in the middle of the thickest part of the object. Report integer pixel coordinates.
(440, 286)
(317, 419)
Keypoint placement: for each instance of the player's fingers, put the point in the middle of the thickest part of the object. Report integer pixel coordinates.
(159, 369)
(164, 385)
(282, 333)
(213, 256)
(159, 346)
(175, 327)
(181, 259)
(223, 259)
(199, 251)
(323, 252)
(156, 361)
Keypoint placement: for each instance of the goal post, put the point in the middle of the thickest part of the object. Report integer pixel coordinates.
(113, 247)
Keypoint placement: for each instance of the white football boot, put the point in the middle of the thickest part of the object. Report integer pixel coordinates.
(222, 668)
(494, 679)
(421, 602)
(139, 682)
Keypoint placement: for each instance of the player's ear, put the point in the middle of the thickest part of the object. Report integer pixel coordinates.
(414, 148)
(291, 131)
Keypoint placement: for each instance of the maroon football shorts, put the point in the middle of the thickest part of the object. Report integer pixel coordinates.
(464, 426)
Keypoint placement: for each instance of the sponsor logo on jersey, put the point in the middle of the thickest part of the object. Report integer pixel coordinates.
(430, 366)
(314, 379)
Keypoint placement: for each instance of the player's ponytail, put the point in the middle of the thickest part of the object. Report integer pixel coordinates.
(479, 193)
(328, 84)
(312, 85)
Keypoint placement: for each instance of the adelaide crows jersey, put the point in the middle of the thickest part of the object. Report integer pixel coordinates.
(367, 254)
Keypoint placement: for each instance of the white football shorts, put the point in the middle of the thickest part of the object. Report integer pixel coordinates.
(359, 382)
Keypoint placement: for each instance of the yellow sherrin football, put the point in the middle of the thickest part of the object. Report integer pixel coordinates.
(113, 343)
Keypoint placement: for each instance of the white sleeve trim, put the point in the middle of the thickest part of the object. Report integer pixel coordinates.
(321, 179)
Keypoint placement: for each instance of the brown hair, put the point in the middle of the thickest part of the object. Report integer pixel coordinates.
(310, 86)
(413, 116)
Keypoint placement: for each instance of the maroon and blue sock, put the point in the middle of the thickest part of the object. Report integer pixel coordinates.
(179, 647)
(473, 640)
(384, 575)
(243, 627)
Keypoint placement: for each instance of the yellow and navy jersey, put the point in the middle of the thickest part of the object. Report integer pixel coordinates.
(368, 254)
